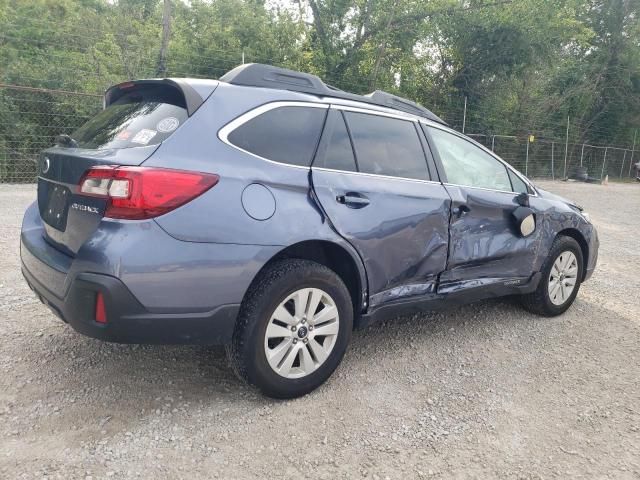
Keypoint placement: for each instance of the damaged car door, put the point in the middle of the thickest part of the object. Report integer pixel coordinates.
(372, 179)
(493, 244)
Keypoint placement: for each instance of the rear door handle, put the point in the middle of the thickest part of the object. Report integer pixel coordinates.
(353, 200)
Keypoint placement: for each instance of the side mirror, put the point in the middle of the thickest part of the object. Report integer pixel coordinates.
(525, 220)
(523, 199)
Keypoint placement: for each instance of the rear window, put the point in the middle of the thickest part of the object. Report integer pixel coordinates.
(285, 134)
(387, 146)
(145, 115)
(335, 150)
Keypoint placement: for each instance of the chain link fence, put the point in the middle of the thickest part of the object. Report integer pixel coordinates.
(31, 118)
(557, 159)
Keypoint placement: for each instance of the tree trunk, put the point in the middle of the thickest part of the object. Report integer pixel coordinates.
(166, 33)
(381, 49)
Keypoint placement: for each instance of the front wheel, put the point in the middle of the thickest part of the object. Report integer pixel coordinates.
(293, 329)
(561, 278)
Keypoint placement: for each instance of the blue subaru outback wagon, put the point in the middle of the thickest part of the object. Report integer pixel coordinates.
(272, 213)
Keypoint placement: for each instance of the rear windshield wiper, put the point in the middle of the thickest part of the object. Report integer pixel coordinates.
(64, 140)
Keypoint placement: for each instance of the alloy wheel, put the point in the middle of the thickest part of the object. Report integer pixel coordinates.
(563, 277)
(301, 333)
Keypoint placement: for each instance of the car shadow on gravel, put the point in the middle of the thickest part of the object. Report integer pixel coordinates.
(111, 388)
(204, 371)
(140, 376)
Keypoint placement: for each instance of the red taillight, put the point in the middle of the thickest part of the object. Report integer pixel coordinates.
(101, 312)
(136, 193)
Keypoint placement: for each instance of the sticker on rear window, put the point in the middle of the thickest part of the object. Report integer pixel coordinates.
(123, 135)
(144, 136)
(168, 124)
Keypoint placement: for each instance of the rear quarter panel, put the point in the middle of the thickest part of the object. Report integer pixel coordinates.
(218, 216)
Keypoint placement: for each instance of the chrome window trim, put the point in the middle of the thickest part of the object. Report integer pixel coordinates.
(406, 179)
(490, 153)
(368, 107)
(224, 132)
(347, 108)
(446, 184)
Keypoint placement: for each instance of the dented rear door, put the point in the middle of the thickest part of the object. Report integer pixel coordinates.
(398, 225)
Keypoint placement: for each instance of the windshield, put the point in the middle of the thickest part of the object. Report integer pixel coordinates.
(143, 115)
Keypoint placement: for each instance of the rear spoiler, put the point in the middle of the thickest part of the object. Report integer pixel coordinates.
(193, 98)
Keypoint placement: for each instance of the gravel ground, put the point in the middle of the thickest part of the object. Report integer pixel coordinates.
(483, 391)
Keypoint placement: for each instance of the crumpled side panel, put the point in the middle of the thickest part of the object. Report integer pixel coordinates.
(401, 235)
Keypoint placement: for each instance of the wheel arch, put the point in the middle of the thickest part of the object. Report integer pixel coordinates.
(346, 264)
(584, 246)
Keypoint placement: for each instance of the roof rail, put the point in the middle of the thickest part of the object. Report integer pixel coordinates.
(267, 76)
(399, 103)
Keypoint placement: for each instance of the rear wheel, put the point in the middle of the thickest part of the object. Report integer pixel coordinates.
(561, 278)
(293, 329)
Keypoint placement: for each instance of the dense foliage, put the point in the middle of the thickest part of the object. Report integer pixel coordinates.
(523, 65)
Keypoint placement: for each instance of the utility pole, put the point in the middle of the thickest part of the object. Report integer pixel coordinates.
(526, 159)
(164, 43)
(464, 114)
(552, 168)
(624, 157)
(633, 149)
(566, 148)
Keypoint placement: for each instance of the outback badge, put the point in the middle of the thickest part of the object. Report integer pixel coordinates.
(84, 208)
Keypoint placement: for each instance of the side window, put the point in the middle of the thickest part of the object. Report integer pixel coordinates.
(387, 146)
(465, 164)
(285, 134)
(335, 150)
(518, 185)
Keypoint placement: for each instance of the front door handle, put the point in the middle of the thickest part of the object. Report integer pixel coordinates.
(353, 200)
(461, 210)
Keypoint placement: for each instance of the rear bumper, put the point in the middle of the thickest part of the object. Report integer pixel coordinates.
(157, 289)
(127, 320)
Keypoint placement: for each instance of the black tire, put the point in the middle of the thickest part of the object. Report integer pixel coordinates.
(539, 301)
(247, 354)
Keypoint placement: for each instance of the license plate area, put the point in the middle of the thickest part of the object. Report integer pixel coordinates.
(54, 200)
